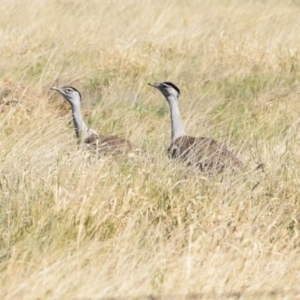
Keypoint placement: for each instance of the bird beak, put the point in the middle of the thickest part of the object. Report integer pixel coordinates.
(153, 84)
(61, 91)
(58, 90)
(54, 88)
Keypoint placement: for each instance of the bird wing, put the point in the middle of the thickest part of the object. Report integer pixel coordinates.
(205, 153)
(109, 144)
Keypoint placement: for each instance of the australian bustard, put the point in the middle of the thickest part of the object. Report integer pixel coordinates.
(205, 153)
(103, 143)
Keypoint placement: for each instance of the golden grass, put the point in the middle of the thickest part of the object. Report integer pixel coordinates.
(74, 227)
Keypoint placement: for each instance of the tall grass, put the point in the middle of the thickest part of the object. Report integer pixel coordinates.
(76, 227)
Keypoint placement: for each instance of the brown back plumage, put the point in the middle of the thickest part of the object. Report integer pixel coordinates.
(204, 153)
(110, 144)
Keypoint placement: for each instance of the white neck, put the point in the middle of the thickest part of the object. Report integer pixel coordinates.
(81, 128)
(177, 128)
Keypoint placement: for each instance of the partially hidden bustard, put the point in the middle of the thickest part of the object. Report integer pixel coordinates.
(104, 144)
(204, 153)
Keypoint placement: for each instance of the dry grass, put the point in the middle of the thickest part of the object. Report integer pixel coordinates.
(73, 227)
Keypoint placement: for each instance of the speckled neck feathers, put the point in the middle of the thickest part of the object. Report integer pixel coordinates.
(177, 128)
(81, 128)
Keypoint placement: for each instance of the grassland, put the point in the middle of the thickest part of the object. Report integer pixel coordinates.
(76, 227)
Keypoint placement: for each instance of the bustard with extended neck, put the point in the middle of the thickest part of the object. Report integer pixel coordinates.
(205, 153)
(103, 143)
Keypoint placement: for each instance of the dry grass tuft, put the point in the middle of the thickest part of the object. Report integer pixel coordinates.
(76, 227)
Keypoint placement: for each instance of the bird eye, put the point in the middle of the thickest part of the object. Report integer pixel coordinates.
(164, 86)
(69, 90)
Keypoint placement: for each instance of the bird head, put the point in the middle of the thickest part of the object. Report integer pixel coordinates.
(167, 89)
(70, 94)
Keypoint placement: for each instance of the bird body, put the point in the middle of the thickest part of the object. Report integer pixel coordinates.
(109, 144)
(104, 144)
(204, 153)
